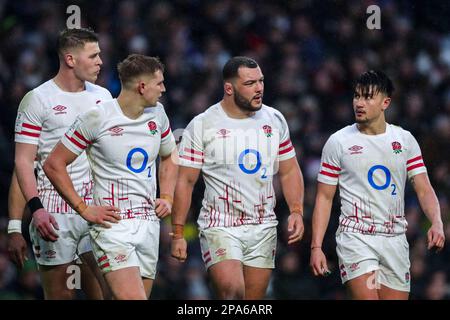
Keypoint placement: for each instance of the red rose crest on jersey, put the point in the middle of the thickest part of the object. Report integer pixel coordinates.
(397, 147)
(60, 109)
(152, 127)
(267, 130)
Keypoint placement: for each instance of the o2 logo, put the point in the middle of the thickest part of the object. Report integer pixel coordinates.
(387, 174)
(244, 155)
(144, 162)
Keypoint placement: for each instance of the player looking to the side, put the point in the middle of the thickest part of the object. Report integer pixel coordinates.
(371, 161)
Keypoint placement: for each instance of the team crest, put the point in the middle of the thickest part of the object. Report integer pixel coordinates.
(152, 127)
(267, 130)
(397, 147)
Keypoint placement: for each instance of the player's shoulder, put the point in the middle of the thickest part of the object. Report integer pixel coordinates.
(45, 89)
(397, 130)
(344, 133)
(98, 90)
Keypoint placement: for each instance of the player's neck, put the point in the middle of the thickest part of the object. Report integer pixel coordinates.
(373, 128)
(66, 81)
(233, 111)
(131, 105)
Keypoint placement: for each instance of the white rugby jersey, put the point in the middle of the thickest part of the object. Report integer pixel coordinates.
(45, 113)
(122, 154)
(238, 158)
(371, 171)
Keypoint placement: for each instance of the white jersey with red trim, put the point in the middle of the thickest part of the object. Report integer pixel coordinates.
(122, 154)
(45, 113)
(238, 158)
(371, 171)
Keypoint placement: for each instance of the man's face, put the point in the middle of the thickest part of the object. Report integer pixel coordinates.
(153, 87)
(248, 89)
(87, 62)
(369, 107)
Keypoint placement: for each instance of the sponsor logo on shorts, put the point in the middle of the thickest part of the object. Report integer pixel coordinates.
(121, 258)
(354, 267)
(50, 254)
(221, 252)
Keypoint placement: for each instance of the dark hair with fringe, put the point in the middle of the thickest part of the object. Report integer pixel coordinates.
(373, 82)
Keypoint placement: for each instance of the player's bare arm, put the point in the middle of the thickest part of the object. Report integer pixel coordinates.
(168, 172)
(187, 177)
(430, 206)
(291, 180)
(24, 161)
(17, 246)
(321, 217)
(55, 169)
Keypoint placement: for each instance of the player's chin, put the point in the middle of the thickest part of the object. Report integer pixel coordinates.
(256, 105)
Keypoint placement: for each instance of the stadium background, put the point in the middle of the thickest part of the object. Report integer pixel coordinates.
(309, 52)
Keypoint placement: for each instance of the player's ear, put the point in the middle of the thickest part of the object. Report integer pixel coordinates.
(228, 88)
(141, 87)
(69, 59)
(386, 103)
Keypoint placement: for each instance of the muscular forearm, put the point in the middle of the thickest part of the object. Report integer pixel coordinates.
(293, 189)
(182, 201)
(168, 173)
(16, 200)
(26, 178)
(430, 205)
(320, 219)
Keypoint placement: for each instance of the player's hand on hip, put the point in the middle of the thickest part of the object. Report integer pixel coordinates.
(436, 236)
(46, 224)
(318, 262)
(101, 215)
(17, 248)
(295, 227)
(179, 249)
(163, 208)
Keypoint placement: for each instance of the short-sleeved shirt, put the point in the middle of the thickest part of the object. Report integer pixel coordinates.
(122, 153)
(371, 171)
(238, 158)
(45, 113)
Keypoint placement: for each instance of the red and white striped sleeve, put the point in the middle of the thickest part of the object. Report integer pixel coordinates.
(80, 135)
(330, 166)
(167, 139)
(414, 162)
(191, 145)
(29, 119)
(286, 148)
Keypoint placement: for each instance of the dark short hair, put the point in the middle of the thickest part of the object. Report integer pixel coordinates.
(74, 38)
(373, 82)
(136, 65)
(230, 69)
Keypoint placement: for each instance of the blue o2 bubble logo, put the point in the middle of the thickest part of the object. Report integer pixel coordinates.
(388, 176)
(241, 161)
(130, 158)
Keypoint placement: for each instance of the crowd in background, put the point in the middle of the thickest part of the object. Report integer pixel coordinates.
(309, 52)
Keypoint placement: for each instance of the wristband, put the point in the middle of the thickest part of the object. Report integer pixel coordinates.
(167, 197)
(14, 225)
(34, 204)
(80, 207)
(177, 231)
